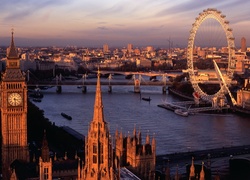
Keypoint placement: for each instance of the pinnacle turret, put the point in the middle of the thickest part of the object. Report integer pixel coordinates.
(147, 139)
(134, 133)
(202, 173)
(192, 169)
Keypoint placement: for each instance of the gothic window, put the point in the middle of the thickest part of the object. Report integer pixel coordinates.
(94, 148)
(94, 153)
(46, 173)
(92, 172)
(94, 159)
(148, 167)
(104, 172)
(101, 153)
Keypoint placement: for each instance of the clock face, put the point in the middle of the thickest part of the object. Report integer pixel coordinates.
(15, 99)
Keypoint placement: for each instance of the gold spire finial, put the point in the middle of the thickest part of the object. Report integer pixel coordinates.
(12, 35)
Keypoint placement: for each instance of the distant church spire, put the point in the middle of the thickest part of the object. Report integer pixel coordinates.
(12, 54)
(98, 107)
(45, 148)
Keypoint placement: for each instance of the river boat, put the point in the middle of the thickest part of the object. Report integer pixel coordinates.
(37, 100)
(36, 94)
(166, 106)
(170, 106)
(146, 98)
(181, 112)
(59, 89)
(66, 116)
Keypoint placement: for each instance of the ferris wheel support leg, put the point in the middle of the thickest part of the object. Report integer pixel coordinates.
(196, 102)
(224, 83)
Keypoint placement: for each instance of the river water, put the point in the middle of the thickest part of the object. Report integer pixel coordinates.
(123, 110)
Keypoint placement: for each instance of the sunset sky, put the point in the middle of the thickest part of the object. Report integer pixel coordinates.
(92, 23)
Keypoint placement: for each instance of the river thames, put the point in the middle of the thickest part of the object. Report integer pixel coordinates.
(124, 110)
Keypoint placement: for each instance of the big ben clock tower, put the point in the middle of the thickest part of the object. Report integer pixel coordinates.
(13, 112)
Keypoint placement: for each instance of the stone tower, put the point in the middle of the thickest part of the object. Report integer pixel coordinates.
(243, 44)
(13, 112)
(98, 148)
(140, 157)
(45, 162)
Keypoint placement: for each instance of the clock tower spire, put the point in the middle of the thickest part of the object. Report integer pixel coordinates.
(13, 103)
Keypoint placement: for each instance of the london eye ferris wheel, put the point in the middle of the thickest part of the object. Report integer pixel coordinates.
(225, 77)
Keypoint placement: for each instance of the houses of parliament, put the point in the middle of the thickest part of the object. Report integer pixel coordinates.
(101, 160)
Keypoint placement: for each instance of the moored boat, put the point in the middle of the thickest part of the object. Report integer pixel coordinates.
(36, 94)
(170, 106)
(146, 98)
(181, 112)
(166, 106)
(66, 116)
(37, 100)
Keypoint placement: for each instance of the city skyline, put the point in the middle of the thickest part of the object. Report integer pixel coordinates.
(92, 24)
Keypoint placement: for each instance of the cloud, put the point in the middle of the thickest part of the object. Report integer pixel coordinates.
(102, 23)
(120, 20)
(184, 8)
(27, 9)
(102, 28)
(120, 25)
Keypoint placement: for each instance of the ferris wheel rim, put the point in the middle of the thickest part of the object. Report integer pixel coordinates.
(214, 14)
